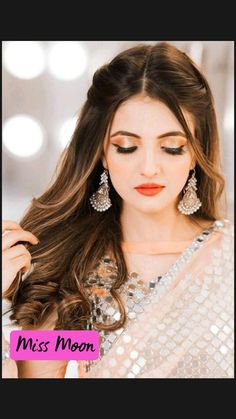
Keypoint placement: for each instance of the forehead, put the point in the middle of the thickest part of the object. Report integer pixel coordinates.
(147, 115)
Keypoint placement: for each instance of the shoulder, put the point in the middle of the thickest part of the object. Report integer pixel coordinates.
(218, 244)
(225, 229)
(223, 236)
(223, 248)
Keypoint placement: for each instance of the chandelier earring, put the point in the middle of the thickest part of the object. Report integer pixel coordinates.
(100, 200)
(190, 203)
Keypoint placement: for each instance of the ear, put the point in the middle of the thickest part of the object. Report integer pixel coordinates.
(193, 164)
(104, 162)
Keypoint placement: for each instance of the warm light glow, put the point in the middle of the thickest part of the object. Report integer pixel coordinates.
(66, 131)
(196, 51)
(229, 119)
(67, 60)
(24, 59)
(22, 136)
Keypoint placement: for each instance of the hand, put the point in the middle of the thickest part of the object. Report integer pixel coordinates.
(15, 257)
(9, 367)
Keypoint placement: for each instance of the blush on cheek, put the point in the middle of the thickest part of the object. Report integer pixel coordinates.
(121, 178)
(119, 169)
(118, 180)
(183, 179)
(176, 179)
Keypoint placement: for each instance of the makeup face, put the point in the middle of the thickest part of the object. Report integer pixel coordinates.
(147, 144)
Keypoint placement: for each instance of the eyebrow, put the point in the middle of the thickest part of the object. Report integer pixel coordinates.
(166, 134)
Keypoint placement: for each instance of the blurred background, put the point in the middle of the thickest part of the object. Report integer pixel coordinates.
(44, 87)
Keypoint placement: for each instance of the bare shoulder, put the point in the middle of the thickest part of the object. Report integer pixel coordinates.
(223, 225)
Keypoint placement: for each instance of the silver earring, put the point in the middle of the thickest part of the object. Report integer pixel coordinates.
(190, 203)
(100, 200)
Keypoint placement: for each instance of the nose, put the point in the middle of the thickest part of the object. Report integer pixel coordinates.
(150, 164)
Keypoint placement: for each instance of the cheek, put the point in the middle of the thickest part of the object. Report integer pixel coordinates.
(176, 172)
(120, 167)
(120, 173)
(179, 168)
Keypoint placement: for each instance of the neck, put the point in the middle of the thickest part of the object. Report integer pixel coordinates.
(166, 225)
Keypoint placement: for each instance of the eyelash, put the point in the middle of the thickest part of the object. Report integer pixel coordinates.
(173, 151)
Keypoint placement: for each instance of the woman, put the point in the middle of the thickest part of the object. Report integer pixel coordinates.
(145, 256)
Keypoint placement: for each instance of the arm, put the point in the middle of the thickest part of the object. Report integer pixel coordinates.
(42, 369)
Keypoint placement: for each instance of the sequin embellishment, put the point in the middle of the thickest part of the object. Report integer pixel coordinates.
(136, 296)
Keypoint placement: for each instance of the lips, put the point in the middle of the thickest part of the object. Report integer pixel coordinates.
(149, 189)
(149, 186)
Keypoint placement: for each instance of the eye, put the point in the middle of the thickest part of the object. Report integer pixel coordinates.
(124, 149)
(175, 150)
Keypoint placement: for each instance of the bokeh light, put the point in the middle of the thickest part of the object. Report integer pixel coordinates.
(22, 136)
(229, 119)
(67, 60)
(66, 131)
(196, 52)
(24, 59)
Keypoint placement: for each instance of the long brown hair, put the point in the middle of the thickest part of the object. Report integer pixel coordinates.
(73, 236)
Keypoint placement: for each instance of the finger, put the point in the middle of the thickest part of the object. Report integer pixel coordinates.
(13, 237)
(22, 262)
(10, 225)
(15, 251)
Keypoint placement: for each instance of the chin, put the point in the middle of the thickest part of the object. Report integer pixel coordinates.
(150, 208)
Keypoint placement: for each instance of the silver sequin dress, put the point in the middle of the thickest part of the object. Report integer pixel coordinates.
(179, 325)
